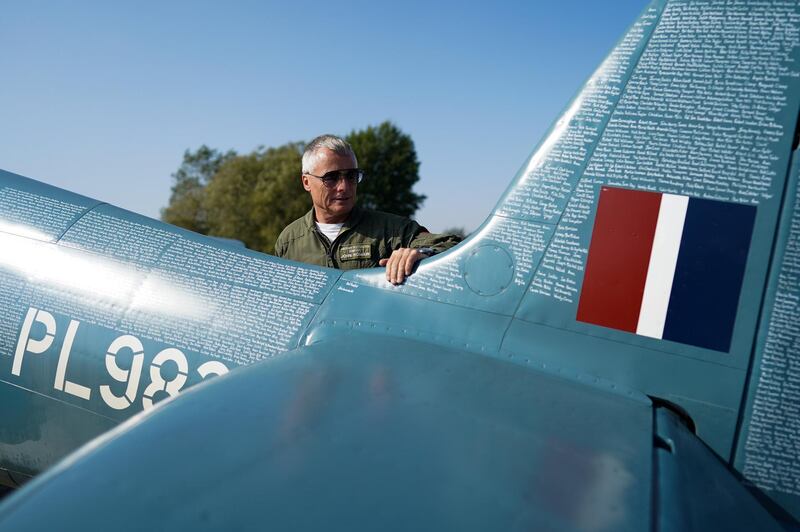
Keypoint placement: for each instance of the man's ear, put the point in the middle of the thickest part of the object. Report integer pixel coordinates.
(304, 179)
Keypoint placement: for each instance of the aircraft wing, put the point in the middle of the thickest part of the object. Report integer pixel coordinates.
(377, 433)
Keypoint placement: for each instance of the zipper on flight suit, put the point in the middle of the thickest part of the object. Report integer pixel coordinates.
(330, 247)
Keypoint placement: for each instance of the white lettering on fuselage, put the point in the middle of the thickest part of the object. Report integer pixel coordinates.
(131, 377)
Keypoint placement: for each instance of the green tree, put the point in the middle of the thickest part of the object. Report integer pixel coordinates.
(388, 158)
(253, 197)
(186, 206)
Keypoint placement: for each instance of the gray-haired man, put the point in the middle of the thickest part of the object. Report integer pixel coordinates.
(339, 234)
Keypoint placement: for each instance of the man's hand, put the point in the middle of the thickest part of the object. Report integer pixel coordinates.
(401, 263)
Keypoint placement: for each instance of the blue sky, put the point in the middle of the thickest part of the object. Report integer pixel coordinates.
(102, 98)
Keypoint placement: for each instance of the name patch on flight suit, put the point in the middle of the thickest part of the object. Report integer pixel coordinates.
(355, 251)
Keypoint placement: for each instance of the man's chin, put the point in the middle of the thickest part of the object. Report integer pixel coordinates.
(341, 207)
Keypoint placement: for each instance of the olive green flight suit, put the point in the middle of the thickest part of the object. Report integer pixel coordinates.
(366, 237)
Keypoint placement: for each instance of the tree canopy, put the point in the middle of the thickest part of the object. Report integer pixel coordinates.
(186, 203)
(252, 197)
(389, 159)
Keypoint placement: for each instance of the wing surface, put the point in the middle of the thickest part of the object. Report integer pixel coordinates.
(402, 436)
(364, 432)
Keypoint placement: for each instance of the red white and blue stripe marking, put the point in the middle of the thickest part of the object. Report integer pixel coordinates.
(666, 266)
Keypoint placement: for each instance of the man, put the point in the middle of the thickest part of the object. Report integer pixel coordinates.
(339, 234)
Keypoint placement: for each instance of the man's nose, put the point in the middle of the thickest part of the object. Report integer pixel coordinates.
(343, 184)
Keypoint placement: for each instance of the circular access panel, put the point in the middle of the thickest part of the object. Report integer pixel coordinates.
(488, 270)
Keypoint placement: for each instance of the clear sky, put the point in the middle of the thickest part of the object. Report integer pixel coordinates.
(102, 98)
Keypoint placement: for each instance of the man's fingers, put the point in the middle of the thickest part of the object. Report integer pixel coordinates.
(391, 265)
(397, 266)
(400, 264)
(411, 259)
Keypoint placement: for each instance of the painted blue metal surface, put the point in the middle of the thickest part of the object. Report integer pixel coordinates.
(364, 432)
(695, 490)
(470, 394)
(767, 442)
(105, 312)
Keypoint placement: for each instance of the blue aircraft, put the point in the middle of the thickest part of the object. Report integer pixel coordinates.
(617, 347)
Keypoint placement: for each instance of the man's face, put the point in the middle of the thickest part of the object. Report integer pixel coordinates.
(331, 204)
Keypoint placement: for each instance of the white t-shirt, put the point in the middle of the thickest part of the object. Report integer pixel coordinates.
(330, 230)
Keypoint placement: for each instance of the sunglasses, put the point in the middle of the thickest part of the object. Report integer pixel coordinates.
(351, 175)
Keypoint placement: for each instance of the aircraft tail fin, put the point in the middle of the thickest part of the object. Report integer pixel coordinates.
(635, 244)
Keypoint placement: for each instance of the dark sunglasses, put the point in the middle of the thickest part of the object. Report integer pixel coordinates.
(351, 175)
